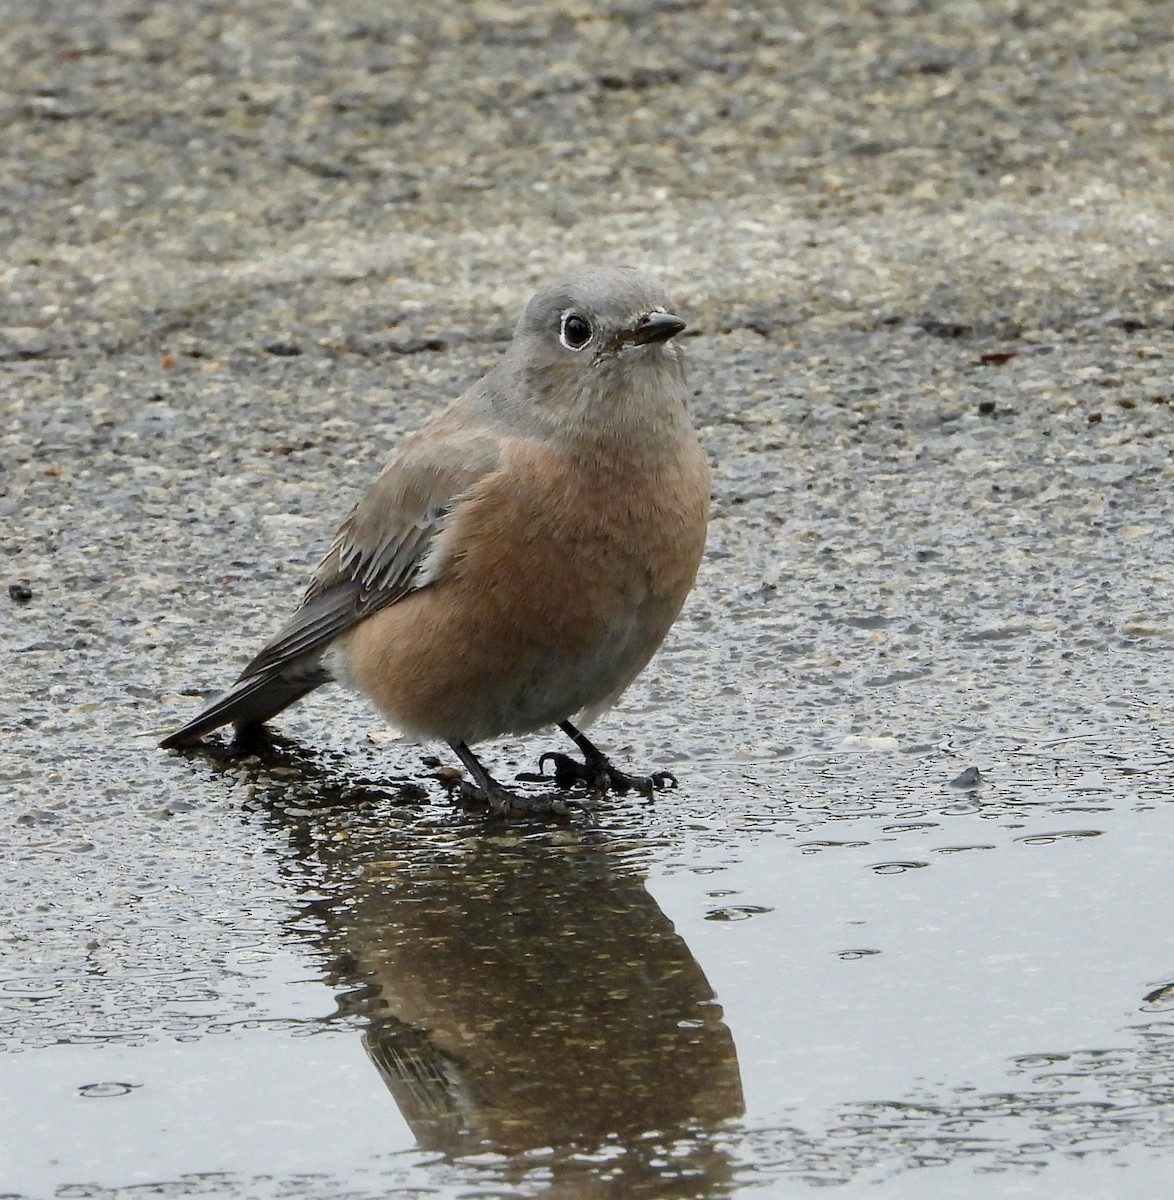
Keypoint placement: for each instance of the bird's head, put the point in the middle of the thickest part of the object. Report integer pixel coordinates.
(595, 351)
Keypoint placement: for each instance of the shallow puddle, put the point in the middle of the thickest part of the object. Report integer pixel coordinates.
(940, 988)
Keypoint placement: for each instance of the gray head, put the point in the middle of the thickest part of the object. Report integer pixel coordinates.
(595, 352)
(599, 313)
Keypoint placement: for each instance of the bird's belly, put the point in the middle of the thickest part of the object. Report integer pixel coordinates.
(561, 681)
(454, 666)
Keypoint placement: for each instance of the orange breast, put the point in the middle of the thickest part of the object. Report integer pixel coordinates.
(564, 578)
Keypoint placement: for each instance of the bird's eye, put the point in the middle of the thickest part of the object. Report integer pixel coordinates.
(574, 332)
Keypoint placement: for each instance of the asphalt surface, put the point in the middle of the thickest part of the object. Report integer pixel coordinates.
(926, 254)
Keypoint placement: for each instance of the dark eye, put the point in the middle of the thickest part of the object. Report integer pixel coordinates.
(574, 332)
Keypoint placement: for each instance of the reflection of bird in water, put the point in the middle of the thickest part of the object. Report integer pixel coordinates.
(426, 1083)
(532, 994)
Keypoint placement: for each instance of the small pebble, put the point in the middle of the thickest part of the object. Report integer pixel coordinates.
(970, 778)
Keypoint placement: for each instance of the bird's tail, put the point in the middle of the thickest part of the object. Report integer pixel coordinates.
(251, 701)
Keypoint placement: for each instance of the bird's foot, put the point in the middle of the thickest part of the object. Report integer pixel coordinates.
(505, 802)
(256, 739)
(599, 774)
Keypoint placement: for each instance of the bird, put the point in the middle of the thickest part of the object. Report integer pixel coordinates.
(522, 555)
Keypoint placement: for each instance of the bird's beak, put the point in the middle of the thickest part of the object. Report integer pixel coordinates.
(653, 327)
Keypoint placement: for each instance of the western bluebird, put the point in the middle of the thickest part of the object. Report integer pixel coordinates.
(522, 555)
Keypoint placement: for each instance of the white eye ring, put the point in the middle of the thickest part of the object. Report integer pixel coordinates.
(574, 331)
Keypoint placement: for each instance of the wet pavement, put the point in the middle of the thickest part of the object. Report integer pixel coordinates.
(904, 928)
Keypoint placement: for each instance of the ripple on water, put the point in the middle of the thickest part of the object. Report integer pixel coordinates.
(102, 1091)
(1046, 839)
(1161, 999)
(30, 988)
(736, 912)
(897, 868)
(1030, 1062)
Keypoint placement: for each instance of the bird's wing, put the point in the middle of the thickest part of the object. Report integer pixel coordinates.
(389, 545)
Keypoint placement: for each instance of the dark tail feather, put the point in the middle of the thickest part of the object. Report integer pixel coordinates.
(251, 701)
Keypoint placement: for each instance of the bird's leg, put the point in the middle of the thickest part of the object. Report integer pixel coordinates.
(501, 800)
(597, 771)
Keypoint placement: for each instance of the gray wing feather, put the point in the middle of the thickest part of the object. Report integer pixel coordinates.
(249, 702)
(359, 589)
(382, 551)
(378, 553)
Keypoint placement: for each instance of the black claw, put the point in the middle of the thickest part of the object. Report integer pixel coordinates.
(663, 781)
(598, 774)
(569, 771)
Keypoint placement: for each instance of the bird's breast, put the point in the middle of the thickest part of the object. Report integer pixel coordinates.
(586, 539)
(562, 577)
